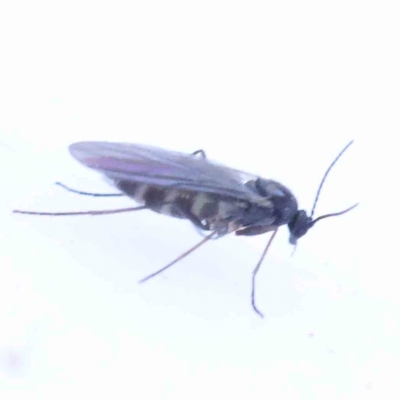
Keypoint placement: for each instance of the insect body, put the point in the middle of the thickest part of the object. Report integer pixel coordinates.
(217, 213)
(216, 199)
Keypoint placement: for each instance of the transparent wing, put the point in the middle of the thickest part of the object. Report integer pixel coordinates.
(154, 166)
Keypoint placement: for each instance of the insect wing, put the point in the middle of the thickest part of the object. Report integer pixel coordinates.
(155, 166)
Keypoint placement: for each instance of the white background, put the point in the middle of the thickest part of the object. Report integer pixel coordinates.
(276, 89)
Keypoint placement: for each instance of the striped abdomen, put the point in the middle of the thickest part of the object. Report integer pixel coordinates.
(195, 206)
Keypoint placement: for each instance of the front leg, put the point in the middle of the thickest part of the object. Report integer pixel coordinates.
(256, 230)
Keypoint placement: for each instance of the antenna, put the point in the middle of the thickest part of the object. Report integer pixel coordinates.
(322, 184)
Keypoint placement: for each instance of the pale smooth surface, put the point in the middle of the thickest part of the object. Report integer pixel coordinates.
(274, 89)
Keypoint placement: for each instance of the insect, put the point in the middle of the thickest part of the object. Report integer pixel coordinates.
(216, 199)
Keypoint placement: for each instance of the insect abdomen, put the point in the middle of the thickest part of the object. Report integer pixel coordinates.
(173, 202)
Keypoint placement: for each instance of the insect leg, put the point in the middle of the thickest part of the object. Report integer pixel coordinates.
(201, 152)
(182, 256)
(89, 194)
(94, 212)
(256, 269)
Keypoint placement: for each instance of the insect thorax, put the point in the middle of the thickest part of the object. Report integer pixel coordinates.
(279, 198)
